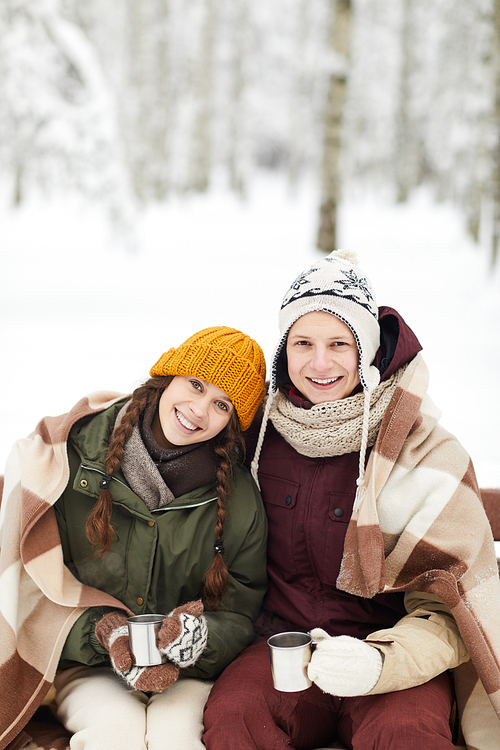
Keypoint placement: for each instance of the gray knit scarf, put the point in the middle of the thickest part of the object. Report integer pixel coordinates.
(183, 467)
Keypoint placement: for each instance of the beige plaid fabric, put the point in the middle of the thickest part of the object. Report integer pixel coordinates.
(419, 525)
(40, 600)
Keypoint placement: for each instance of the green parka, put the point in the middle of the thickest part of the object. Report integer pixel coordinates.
(159, 558)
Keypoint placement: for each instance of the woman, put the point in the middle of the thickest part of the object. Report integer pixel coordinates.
(144, 500)
(378, 542)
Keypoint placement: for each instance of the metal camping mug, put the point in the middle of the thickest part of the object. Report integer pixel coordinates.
(142, 631)
(290, 654)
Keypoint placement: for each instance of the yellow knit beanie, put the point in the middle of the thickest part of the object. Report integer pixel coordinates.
(229, 359)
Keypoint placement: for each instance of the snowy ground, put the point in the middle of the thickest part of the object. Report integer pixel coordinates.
(78, 314)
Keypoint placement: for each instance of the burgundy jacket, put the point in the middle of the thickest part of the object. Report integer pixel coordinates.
(309, 503)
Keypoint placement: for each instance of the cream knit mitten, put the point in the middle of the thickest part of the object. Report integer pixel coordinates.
(183, 634)
(342, 665)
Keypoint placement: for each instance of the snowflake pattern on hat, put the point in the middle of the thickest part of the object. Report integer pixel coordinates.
(349, 285)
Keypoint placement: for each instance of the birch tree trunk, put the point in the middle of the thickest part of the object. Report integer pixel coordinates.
(162, 102)
(496, 152)
(200, 161)
(147, 103)
(135, 113)
(297, 98)
(339, 43)
(238, 149)
(406, 145)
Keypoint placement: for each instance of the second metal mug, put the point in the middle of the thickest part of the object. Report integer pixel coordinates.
(142, 633)
(290, 654)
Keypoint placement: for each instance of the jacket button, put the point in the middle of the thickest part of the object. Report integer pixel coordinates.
(140, 601)
(83, 483)
(151, 523)
(338, 512)
(288, 500)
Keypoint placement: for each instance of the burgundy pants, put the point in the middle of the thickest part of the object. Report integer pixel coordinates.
(244, 711)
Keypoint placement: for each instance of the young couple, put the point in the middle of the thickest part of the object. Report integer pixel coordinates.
(378, 544)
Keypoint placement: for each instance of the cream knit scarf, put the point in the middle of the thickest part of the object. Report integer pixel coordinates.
(333, 428)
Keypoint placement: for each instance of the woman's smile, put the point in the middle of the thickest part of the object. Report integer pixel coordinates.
(191, 410)
(185, 422)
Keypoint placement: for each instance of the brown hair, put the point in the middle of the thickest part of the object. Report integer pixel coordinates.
(229, 449)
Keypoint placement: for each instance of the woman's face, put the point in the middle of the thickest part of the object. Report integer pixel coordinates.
(192, 410)
(322, 357)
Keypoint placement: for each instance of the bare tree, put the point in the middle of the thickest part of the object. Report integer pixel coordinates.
(200, 162)
(133, 109)
(162, 102)
(57, 126)
(298, 126)
(339, 43)
(496, 153)
(407, 156)
(238, 147)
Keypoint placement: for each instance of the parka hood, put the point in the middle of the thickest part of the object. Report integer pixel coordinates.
(398, 343)
(398, 346)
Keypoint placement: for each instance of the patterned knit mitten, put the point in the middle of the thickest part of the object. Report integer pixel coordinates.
(183, 634)
(112, 633)
(342, 665)
(152, 679)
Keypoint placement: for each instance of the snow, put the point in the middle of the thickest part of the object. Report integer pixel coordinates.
(79, 312)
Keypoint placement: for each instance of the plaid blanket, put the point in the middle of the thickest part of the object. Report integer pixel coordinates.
(40, 599)
(419, 525)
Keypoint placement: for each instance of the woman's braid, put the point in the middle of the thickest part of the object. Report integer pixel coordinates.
(229, 449)
(98, 528)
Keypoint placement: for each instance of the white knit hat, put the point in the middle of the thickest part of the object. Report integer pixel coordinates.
(336, 285)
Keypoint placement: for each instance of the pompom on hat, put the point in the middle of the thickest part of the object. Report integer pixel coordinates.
(226, 357)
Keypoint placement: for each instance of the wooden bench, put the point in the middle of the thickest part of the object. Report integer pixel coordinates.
(491, 502)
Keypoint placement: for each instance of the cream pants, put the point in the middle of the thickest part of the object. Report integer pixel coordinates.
(102, 713)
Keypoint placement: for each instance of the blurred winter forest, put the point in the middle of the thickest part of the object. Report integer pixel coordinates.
(171, 164)
(133, 101)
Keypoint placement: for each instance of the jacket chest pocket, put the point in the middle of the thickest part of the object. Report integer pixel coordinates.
(340, 506)
(339, 514)
(280, 499)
